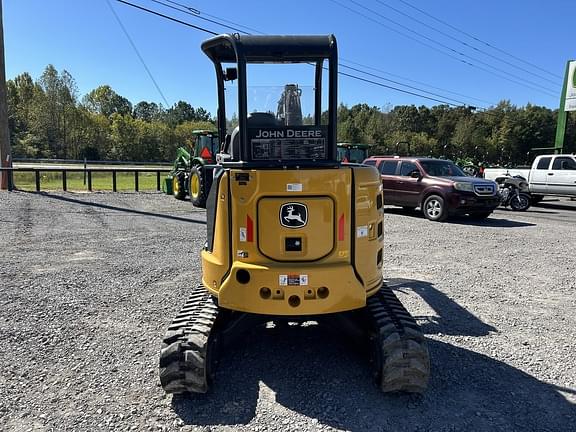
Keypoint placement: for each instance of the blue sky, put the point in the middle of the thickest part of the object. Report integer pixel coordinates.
(84, 38)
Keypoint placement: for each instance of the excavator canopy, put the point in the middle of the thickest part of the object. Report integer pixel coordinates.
(254, 137)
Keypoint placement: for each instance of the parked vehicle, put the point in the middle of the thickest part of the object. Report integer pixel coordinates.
(469, 166)
(437, 186)
(188, 175)
(549, 175)
(513, 192)
(354, 153)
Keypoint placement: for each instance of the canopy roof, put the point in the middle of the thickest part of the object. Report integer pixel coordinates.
(228, 48)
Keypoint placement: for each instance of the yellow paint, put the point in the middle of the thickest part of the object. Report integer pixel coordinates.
(326, 260)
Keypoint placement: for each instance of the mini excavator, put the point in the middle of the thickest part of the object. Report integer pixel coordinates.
(292, 233)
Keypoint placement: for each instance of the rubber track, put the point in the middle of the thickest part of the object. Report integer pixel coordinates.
(404, 362)
(184, 358)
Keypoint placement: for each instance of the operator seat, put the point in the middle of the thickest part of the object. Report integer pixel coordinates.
(255, 119)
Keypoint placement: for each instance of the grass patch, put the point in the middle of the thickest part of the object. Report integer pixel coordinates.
(101, 181)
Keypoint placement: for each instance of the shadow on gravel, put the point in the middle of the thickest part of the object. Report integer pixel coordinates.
(120, 209)
(312, 372)
(464, 220)
(451, 319)
(531, 210)
(555, 206)
(491, 222)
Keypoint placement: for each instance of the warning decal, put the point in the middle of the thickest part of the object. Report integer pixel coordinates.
(293, 280)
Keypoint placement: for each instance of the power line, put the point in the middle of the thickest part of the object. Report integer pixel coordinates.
(397, 89)
(342, 73)
(443, 101)
(535, 86)
(137, 52)
(439, 50)
(399, 32)
(538, 88)
(199, 12)
(465, 43)
(477, 39)
(196, 12)
(399, 83)
(168, 17)
(416, 82)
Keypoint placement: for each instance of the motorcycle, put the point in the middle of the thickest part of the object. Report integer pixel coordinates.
(514, 192)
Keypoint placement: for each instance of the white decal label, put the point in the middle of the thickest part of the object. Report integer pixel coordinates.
(294, 187)
(293, 280)
(242, 234)
(362, 231)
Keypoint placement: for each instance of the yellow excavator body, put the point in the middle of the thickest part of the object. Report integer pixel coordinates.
(295, 242)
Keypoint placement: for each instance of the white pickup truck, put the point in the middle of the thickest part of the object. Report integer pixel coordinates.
(549, 175)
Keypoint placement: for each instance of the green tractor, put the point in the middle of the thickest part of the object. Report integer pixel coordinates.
(353, 153)
(188, 176)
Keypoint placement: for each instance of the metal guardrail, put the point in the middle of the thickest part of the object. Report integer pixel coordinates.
(88, 161)
(88, 172)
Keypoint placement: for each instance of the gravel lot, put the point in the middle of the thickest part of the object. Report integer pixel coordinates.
(89, 282)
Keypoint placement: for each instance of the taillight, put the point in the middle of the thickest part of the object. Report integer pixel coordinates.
(341, 227)
(249, 229)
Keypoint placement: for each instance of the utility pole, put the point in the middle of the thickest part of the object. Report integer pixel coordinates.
(5, 151)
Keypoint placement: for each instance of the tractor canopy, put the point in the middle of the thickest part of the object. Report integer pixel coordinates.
(353, 152)
(206, 145)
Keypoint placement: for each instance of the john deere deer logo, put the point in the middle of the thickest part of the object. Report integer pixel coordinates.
(293, 215)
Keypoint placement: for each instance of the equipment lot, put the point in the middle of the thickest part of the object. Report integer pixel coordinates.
(89, 282)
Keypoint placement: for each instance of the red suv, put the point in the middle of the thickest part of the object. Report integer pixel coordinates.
(437, 186)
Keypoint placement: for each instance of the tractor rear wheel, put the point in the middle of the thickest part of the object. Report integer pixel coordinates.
(178, 186)
(197, 187)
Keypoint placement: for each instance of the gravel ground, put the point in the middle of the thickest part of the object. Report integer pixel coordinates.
(89, 282)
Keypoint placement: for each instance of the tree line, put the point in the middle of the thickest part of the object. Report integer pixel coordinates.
(503, 134)
(48, 119)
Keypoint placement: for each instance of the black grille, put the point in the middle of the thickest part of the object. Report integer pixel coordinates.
(484, 189)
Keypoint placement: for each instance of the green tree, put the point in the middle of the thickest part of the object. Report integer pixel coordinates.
(103, 100)
(148, 111)
(202, 115)
(52, 113)
(179, 113)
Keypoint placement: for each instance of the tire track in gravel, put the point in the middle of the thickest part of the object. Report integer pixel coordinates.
(96, 216)
(25, 222)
